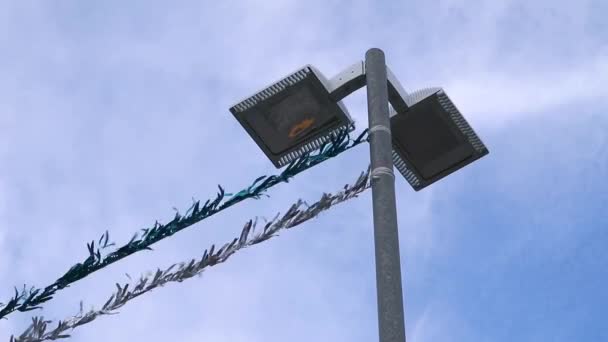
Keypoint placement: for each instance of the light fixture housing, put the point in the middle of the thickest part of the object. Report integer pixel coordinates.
(293, 115)
(431, 139)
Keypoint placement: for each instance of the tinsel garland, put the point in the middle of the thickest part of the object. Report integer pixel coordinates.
(37, 331)
(26, 300)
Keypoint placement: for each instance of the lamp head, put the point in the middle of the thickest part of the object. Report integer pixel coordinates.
(431, 139)
(292, 116)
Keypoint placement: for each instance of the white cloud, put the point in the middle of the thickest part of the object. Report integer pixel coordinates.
(438, 322)
(110, 115)
(493, 97)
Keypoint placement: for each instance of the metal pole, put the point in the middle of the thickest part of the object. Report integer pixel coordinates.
(391, 323)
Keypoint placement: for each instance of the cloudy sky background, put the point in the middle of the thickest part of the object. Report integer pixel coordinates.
(113, 112)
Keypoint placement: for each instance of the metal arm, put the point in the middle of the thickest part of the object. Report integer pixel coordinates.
(347, 81)
(352, 79)
(396, 93)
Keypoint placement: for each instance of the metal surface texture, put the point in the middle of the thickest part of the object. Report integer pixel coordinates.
(391, 324)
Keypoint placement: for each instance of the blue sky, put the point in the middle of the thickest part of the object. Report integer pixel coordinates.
(112, 113)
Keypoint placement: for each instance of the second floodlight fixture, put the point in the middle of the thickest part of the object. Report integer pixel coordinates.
(431, 139)
(293, 115)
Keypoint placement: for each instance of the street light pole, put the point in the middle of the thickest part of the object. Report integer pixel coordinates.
(391, 323)
(430, 139)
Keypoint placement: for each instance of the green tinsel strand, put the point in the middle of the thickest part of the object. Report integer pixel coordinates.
(32, 299)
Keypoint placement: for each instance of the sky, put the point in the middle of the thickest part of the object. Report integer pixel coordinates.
(112, 113)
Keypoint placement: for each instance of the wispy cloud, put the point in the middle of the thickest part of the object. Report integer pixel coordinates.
(496, 98)
(104, 106)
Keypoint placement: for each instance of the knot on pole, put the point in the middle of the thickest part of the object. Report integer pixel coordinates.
(378, 128)
(381, 170)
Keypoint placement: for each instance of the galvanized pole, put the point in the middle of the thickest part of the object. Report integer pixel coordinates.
(391, 322)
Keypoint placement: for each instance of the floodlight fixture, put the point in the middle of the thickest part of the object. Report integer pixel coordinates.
(293, 116)
(431, 139)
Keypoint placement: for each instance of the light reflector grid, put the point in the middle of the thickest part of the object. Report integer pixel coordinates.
(293, 116)
(413, 177)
